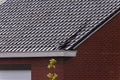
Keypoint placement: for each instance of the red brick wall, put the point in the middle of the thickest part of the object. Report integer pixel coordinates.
(98, 58)
(38, 66)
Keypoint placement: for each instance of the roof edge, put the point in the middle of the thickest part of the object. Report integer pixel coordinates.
(38, 54)
(97, 28)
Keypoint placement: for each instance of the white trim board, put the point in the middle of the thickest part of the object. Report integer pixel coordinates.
(39, 54)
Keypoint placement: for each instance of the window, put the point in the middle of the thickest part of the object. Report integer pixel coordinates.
(15, 72)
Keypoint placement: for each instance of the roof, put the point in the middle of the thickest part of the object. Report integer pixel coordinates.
(51, 25)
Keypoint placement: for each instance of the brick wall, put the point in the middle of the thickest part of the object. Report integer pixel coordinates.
(98, 57)
(39, 68)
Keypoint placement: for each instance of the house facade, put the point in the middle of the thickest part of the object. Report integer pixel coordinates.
(97, 58)
(33, 32)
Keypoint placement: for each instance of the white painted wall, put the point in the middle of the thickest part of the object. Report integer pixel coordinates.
(15, 75)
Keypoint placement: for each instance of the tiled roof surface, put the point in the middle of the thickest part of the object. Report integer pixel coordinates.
(47, 25)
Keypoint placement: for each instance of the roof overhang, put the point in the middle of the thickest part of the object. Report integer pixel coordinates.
(39, 54)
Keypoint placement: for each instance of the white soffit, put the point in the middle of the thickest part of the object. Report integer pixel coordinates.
(39, 54)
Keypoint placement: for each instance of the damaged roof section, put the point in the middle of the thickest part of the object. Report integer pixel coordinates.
(51, 25)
